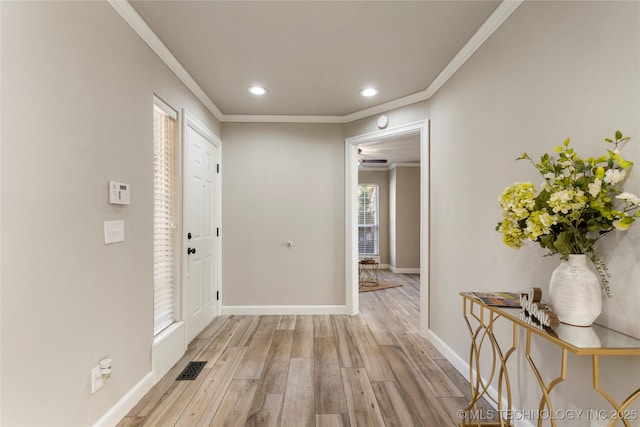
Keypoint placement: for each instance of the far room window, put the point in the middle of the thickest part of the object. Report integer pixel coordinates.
(164, 217)
(367, 219)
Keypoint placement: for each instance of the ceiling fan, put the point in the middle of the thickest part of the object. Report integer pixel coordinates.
(364, 161)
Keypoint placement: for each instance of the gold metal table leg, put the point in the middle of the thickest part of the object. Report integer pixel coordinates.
(620, 411)
(481, 334)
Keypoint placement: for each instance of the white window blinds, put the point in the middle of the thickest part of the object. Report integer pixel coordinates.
(164, 179)
(368, 219)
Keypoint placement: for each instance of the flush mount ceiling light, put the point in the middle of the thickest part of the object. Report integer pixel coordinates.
(257, 90)
(369, 91)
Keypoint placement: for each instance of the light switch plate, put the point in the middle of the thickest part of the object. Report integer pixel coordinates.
(113, 231)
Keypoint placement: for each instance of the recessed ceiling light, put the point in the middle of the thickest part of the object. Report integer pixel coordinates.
(369, 91)
(257, 90)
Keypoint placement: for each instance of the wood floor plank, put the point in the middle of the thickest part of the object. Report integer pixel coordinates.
(329, 390)
(374, 312)
(205, 402)
(322, 326)
(219, 341)
(130, 422)
(332, 420)
(269, 415)
(361, 400)
(372, 358)
(303, 337)
(298, 409)
(234, 408)
(274, 376)
(408, 316)
(461, 383)
(453, 405)
(348, 352)
(392, 404)
(213, 327)
(287, 322)
(439, 382)
(174, 402)
(255, 357)
(420, 400)
(245, 332)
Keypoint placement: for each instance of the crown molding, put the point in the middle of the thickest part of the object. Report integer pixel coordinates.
(493, 22)
(499, 15)
(240, 118)
(136, 22)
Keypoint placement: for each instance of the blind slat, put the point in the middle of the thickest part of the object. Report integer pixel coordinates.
(164, 218)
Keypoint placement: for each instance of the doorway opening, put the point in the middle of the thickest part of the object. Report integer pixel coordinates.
(386, 138)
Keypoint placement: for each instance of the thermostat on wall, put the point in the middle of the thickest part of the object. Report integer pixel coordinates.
(119, 193)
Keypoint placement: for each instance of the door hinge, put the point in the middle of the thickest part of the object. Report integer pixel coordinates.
(217, 231)
(217, 295)
(218, 168)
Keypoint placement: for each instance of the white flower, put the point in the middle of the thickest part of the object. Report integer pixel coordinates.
(629, 197)
(594, 187)
(620, 225)
(614, 176)
(551, 177)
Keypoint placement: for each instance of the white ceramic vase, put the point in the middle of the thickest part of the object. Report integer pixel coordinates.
(574, 292)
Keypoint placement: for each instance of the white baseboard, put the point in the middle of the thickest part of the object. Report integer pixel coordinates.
(383, 267)
(283, 309)
(128, 401)
(404, 270)
(462, 366)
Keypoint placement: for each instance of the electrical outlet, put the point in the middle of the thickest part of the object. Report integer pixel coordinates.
(96, 379)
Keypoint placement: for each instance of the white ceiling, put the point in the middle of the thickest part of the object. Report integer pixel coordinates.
(312, 56)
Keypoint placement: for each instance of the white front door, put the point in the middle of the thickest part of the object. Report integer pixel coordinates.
(200, 245)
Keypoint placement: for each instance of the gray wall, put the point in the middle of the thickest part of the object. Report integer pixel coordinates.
(283, 182)
(381, 178)
(77, 96)
(553, 70)
(404, 183)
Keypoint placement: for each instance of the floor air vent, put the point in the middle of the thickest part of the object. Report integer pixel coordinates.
(191, 371)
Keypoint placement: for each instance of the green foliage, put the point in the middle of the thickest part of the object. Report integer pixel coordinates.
(579, 203)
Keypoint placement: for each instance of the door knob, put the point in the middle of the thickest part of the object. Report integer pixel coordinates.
(191, 251)
(189, 236)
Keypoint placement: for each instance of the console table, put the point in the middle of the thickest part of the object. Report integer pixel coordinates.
(595, 342)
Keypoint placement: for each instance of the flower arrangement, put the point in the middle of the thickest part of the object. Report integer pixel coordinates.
(579, 203)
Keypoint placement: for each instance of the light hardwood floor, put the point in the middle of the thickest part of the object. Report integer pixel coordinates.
(368, 370)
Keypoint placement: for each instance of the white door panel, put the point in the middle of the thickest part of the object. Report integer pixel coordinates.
(201, 221)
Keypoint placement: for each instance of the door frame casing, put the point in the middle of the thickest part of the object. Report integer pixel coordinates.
(191, 122)
(421, 129)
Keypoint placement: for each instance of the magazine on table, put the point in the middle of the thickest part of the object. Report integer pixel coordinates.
(498, 299)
